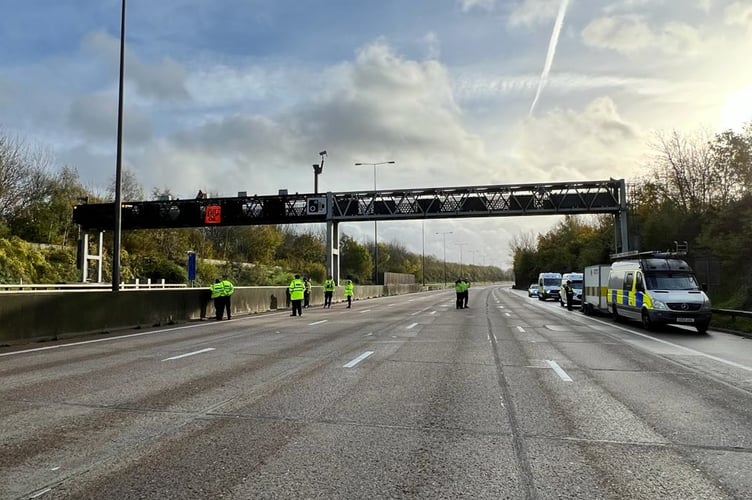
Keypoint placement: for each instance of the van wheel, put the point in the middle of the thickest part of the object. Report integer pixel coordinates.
(615, 314)
(702, 327)
(646, 323)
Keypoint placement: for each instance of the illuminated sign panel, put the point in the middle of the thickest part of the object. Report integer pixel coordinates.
(213, 214)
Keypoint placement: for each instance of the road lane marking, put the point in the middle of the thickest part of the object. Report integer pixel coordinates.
(678, 346)
(432, 312)
(522, 330)
(501, 307)
(561, 373)
(208, 349)
(318, 322)
(40, 493)
(411, 326)
(367, 310)
(358, 359)
(507, 315)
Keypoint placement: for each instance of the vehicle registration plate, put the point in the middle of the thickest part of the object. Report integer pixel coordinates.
(685, 320)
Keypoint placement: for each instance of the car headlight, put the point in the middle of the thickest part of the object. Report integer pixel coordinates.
(706, 306)
(657, 304)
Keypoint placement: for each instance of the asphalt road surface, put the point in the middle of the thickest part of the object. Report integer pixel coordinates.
(398, 397)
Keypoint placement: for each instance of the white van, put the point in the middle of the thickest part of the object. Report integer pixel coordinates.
(548, 286)
(655, 288)
(575, 280)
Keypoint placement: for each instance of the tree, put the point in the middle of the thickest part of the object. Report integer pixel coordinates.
(355, 260)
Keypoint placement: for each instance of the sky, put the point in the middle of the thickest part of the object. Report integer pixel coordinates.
(241, 95)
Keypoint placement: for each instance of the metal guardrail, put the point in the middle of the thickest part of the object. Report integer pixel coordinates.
(31, 287)
(733, 313)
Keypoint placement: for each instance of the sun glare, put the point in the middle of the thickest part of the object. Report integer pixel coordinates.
(738, 110)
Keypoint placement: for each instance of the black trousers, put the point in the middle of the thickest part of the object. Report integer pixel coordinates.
(218, 307)
(458, 304)
(349, 300)
(297, 307)
(307, 299)
(465, 296)
(328, 298)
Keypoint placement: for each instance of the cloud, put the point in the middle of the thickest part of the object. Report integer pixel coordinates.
(533, 12)
(739, 14)
(96, 117)
(631, 35)
(467, 5)
(595, 143)
(163, 80)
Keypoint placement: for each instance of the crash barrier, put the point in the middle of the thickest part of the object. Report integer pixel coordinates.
(33, 316)
(19, 287)
(733, 313)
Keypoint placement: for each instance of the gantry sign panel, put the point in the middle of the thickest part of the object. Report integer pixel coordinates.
(476, 201)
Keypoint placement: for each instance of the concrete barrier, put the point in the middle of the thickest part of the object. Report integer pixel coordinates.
(49, 315)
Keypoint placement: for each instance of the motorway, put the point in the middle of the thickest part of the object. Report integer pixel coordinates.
(398, 397)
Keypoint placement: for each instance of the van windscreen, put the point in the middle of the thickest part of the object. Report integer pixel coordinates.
(551, 281)
(671, 281)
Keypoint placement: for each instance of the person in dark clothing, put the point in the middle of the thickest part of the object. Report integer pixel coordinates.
(569, 293)
(297, 289)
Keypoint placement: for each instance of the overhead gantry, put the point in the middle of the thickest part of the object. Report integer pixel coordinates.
(556, 198)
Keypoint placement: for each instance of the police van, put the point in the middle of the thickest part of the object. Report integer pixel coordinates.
(548, 286)
(656, 288)
(575, 281)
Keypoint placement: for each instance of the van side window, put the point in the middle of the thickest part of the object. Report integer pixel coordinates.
(628, 280)
(639, 286)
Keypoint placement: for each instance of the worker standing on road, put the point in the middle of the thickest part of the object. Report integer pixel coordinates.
(465, 292)
(349, 287)
(297, 290)
(307, 292)
(328, 291)
(458, 291)
(569, 293)
(216, 295)
(227, 290)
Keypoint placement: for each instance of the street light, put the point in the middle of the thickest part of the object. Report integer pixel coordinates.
(119, 163)
(375, 230)
(444, 234)
(460, 245)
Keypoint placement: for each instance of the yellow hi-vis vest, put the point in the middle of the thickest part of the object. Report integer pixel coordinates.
(216, 290)
(329, 285)
(296, 289)
(349, 288)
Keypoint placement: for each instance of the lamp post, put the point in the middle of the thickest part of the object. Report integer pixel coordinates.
(375, 230)
(444, 234)
(119, 163)
(460, 245)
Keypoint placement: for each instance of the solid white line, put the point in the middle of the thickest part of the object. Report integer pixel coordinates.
(687, 349)
(100, 340)
(561, 373)
(40, 493)
(411, 326)
(367, 310)
(208, 349)
(521, 329)
(318, 322)
(358, 359)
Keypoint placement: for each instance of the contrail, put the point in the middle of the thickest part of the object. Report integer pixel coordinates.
(551, 51)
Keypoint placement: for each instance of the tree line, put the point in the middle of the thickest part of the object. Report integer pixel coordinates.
(694, 188)
(39, 241)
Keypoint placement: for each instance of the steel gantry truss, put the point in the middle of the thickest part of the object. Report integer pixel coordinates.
(564, 198)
